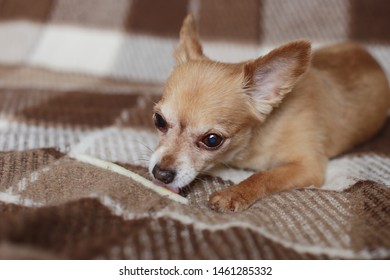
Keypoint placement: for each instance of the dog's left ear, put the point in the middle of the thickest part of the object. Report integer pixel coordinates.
(269, 78)
(189, 47)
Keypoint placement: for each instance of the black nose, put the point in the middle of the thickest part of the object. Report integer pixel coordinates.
(164, 175)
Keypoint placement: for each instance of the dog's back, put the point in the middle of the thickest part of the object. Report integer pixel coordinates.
(356, 95)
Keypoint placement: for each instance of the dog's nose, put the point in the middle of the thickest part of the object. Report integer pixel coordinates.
(164, 175)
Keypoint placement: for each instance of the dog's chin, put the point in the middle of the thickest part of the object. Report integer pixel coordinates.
(172, 187)
(183, 179)
(169, 187)
(177, 184)
(181, 182)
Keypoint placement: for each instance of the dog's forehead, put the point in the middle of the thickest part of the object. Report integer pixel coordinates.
(203, 96)
(201, 84)
(203, 76)
(185, 116)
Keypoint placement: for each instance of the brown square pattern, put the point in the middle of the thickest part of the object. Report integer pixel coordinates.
(162, 18)
(370, 20)
(95, 13)
(230, 20)
(37, 10)
(80, 109)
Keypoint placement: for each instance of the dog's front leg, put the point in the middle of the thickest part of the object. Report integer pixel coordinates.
(291, 175)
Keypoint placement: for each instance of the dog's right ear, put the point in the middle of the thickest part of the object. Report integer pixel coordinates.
(271, 77)
(189, 47)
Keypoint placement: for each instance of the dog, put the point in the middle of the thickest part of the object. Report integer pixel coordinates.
(283, 115)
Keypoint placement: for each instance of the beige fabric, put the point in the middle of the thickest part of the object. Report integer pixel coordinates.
(59, 96)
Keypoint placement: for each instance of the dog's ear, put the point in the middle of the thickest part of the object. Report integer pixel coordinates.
(189, 47)
(269, 78)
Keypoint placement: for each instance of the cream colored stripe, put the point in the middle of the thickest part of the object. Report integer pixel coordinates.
(19, 200)
(282, 226)
(235, 243)
(345, 171)
(145, 243)
(335, 220)
(187, 247)
(159, 240)
(202, 247)
(125, 172)
(344, 213)
(303, 213)
(380, 168)
(15, 136)
(248, 242)
(291, 221)
(171, 241)
(326, 226)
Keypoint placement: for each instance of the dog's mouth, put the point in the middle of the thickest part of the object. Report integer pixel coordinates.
(161, 184)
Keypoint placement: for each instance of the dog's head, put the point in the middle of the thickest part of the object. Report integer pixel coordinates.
(208, 108)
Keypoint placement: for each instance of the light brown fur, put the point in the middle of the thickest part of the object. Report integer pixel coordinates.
(284, 114)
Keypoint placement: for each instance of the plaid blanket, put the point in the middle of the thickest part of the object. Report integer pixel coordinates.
(81, 77)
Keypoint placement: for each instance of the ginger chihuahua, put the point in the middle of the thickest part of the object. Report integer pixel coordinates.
(283, 114)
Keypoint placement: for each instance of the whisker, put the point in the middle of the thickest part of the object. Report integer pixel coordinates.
(226, 165)
(206, 173)
(200, 179)
(141, 160)
(146, 156)
(150, 150)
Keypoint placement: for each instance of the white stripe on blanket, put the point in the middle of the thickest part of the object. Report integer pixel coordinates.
(77, 49)
(18, 39)
(116, 54)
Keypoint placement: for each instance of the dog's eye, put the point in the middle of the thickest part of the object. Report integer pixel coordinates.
(212, 141)
(159, 122)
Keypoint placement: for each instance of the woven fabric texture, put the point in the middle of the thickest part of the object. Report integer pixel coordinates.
(82, 77)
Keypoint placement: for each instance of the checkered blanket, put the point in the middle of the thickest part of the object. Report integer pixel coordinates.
(81, 77)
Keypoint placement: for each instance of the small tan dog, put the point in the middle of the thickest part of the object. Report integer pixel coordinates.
(283, 114)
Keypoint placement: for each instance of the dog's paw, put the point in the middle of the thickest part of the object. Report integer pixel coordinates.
(228, 200)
